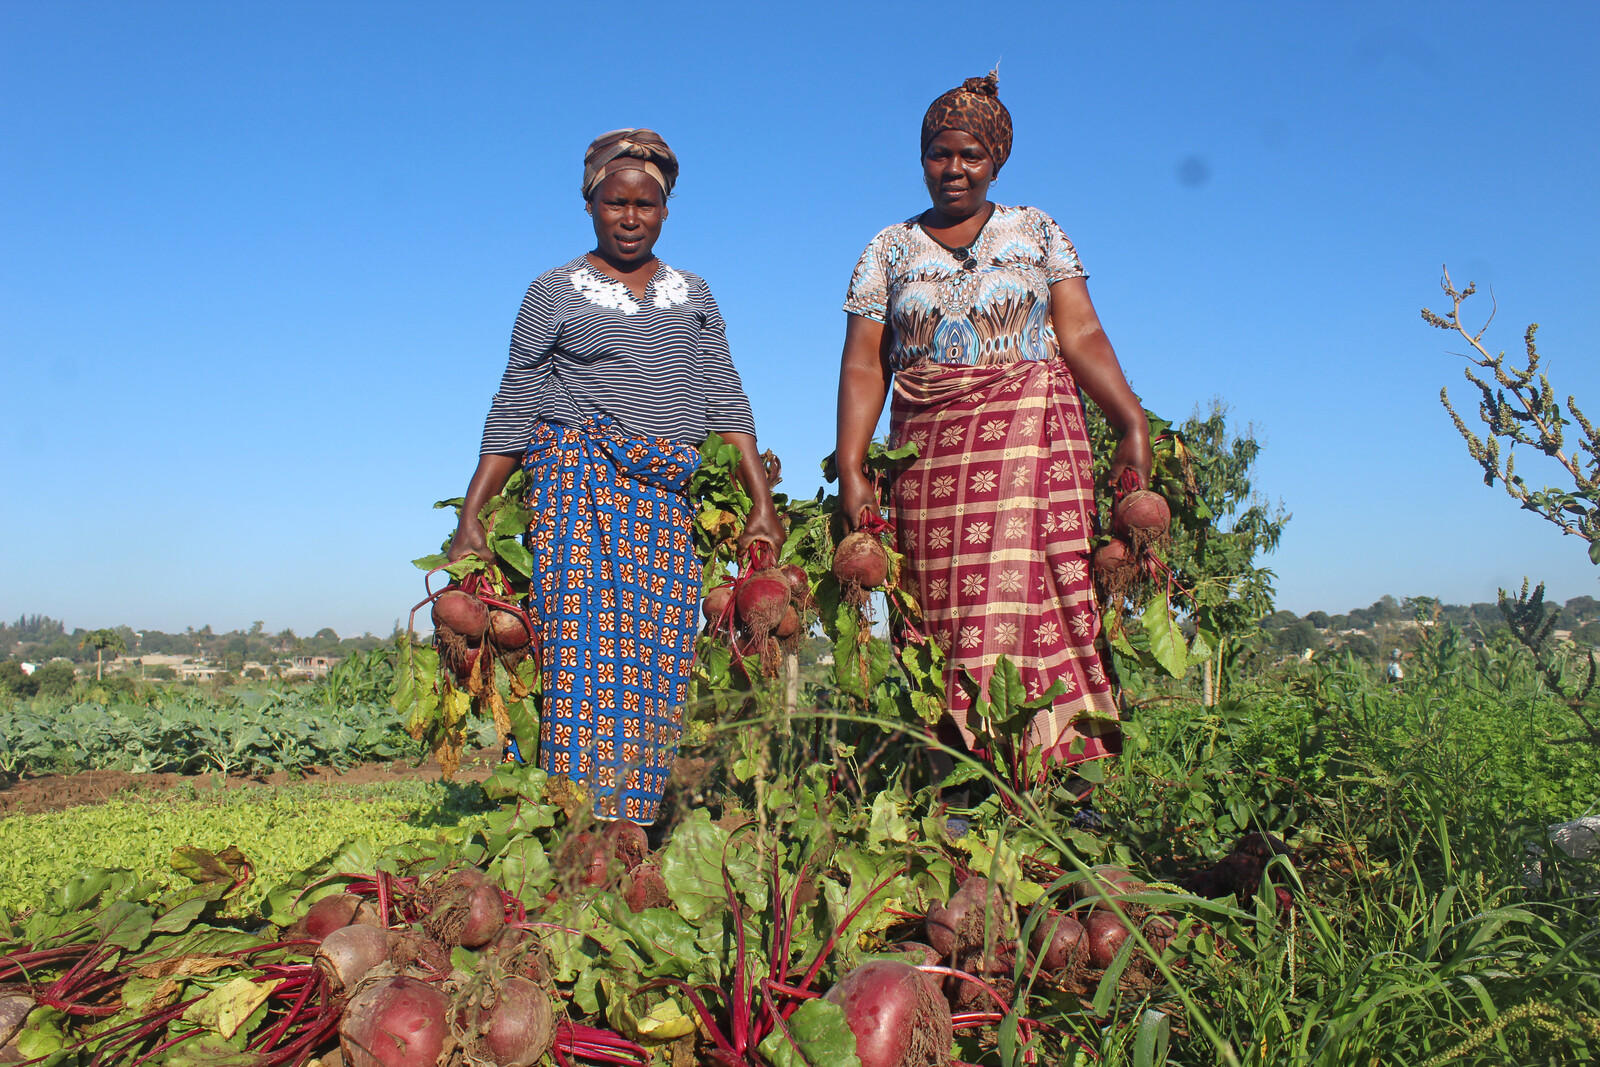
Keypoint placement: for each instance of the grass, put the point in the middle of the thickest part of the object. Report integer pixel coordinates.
(282, 830)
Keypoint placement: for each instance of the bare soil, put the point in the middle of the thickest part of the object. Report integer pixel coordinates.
(57, 792)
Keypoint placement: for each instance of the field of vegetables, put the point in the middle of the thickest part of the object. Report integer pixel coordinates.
(1432, 920)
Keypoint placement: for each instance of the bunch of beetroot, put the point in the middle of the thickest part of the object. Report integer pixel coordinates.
(977, 934)
(401, 1003)
(479, 610)
(1141, 522)
(762, 612)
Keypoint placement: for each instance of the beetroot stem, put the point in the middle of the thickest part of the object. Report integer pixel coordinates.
(838, 931)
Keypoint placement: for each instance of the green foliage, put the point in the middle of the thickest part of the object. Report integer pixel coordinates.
(246, 732)
(282, 831)
(55, 679)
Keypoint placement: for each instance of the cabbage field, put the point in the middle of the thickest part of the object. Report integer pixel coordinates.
(1318, 866)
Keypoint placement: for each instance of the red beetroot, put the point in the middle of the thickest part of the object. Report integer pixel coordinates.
(1160, 931)
(949, 927)
(465, 909)
(396, 1022)
(761, 600)
(346, 955)
(586, 858)
(799, 584)
(626, 841)
(918, 954)
(1059, 942)
(1142, 517)
(646, 889)
(897, 1015)
(788, 624)
(507, 630)
(1114, 567)
(1105, 933)
(1115, 882)
(461, 612)
(860, 558)
(715, 603)
(335, 911)
(512, 1025)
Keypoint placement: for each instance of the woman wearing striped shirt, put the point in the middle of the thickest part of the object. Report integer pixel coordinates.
(619, 368)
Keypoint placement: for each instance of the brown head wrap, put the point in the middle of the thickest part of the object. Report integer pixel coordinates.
(637, 149)
(974, 107)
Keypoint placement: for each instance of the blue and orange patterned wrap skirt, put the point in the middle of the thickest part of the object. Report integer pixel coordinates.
(617, 590)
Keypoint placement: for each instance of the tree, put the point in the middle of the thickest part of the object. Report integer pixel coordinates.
(14, 682)
(100, 640)
(1298, 636)
(56, 678)
(1216, 579)
(1319, 619)
(1521, 409)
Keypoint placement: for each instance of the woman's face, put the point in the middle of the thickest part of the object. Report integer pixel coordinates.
(628, 209)
(958, 170)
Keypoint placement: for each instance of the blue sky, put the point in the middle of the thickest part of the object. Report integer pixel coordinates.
(259, 262)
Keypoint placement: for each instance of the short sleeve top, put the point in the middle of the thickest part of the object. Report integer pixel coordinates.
(585, 345)
(997, 310)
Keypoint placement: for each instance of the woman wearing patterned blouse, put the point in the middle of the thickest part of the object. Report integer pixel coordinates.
(980, 317)
(619, 368)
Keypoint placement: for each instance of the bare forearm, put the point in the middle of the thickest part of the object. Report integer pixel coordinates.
(752, 475)
(1094, 366)
(1088, 354)
(863, 387)
(763, 523)
(487, 480)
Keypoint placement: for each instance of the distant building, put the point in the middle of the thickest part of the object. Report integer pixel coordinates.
(311, 666)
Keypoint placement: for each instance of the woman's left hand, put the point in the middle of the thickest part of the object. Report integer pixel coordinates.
(763, 525)
(1133, 452)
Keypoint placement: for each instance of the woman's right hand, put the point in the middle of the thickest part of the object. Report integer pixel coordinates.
(855, 496)
(469, 541)
(487, 480)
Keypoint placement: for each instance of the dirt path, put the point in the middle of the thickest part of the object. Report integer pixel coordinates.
(57, 792)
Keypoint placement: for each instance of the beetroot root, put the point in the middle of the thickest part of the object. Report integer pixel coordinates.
(646, 889)
(897, 1015)
(715, 603)
(1142, 518)
(1115, 568)
(1059, 943)
(861, 560)
(464, 908)
(461, 612)
(627, 842)
(761, 601)
(396, 1022)
(512, 1024)
(507, 632)
(334, 911)
(1105, 933)
(346, 955)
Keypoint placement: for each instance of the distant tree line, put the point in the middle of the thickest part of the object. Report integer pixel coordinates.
(1389, 623)
(46, 643)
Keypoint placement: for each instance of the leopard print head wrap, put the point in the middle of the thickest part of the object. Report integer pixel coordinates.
(633, 149)
(973, 107)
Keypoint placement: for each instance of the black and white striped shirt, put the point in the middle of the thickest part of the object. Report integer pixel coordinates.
(585, 345)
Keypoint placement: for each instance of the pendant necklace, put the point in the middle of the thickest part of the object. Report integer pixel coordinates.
(963, 254)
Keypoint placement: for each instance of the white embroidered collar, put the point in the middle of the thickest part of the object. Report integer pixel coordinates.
(671, 289)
